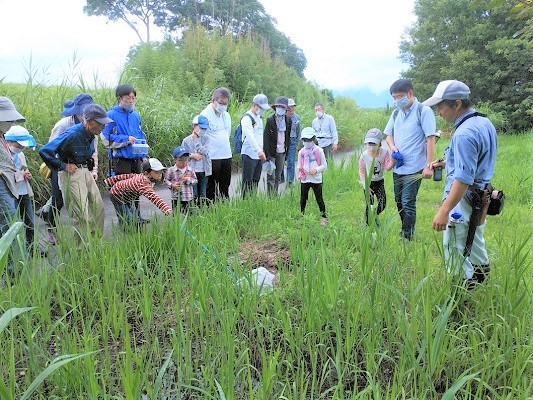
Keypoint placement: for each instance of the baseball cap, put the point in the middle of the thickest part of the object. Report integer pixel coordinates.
(152, 164)
(261, 100)
(281, 102)
(292, 102)
(448, 90)
(8, 111)
(20, 135)
(201, 120)
(97, 113)
(79, 102)
(180, 151)
(308, 133)
(374, 135)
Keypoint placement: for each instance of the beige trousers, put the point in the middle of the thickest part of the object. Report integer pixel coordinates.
(83, 201)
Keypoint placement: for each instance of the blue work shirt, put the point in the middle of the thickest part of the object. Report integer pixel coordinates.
(410, 131)
(75, 145)
(471, 156)
(117, 133)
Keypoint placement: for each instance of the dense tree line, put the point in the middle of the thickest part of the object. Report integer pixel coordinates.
(480, 45)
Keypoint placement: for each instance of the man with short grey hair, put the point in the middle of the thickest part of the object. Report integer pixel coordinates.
(74, 150)
(219, 147)
(326, 130)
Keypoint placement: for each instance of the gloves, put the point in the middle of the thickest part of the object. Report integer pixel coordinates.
(398, 157)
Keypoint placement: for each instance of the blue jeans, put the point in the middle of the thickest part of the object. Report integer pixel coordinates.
(200, 189)
(291, 159)
(8, 207)
(251, 174)
(405, 192)
(126, 213)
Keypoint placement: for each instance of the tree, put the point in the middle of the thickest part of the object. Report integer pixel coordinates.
(453, 39)
(131, 12)
(232, 17)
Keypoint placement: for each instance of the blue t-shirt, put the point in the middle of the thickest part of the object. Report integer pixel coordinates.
(410, 132)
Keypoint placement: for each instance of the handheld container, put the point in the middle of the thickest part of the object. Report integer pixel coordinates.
(140, 147)
(437, 174)
(455, 219)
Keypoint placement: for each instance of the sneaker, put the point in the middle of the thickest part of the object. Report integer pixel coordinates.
(323, 221)
(50, 237)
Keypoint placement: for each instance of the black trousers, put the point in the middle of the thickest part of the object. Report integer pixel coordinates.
(220, 179)
(378, 193)
(317, 190)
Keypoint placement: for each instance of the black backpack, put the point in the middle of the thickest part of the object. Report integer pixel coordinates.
(237, 136)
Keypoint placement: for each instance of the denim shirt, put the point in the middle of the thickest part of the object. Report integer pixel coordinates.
(75, 145)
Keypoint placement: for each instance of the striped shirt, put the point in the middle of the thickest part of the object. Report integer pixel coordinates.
(128, 187)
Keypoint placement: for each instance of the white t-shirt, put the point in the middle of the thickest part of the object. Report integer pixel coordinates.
(218, 133)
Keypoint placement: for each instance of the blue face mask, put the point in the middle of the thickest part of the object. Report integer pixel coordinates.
(280, 111)
(401, 103)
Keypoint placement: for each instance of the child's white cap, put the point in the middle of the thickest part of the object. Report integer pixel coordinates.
(20, 135)
(308, 133)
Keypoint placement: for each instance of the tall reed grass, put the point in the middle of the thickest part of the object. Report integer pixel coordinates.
(158, 313)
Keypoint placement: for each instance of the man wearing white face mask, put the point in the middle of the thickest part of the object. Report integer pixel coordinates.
(252, 146)
(219, 146)
(411, 133)
(8, 185)
(276, 139)
(326, 130)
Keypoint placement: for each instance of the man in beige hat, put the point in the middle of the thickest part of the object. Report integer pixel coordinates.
(8, 186)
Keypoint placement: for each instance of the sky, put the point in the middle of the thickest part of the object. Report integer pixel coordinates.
(348, 50)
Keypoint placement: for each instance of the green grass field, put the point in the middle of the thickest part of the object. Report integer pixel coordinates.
(158, 313)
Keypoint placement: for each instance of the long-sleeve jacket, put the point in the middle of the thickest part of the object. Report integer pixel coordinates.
(116, 134)
(270, 136)
(75, 145)
(128, 187)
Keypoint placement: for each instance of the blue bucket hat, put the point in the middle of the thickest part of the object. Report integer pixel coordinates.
(20, 135)
(79, 103)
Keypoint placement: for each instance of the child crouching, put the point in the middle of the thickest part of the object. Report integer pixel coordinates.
(372, 163)
(311, 163)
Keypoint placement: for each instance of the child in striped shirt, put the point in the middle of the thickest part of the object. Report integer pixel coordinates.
(127, 188)
(180, 179)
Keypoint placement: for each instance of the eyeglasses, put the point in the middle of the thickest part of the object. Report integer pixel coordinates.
(222, 103)
(399, 96)
(132, 98)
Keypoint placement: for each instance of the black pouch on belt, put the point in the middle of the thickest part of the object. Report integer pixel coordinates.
(497, 198)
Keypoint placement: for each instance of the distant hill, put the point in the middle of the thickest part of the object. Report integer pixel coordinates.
(367, 98)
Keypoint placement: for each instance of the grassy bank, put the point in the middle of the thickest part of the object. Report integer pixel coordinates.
(349, 320)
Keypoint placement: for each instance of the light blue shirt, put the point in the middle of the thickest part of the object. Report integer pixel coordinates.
(326, 130)
(471, 156)
(410, 132)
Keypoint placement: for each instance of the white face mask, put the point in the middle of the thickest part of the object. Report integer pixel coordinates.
(260, 111)
(319, 114)
(222, 107)
(280, 111)
(15, 150)
(201, 132)
(308, 145)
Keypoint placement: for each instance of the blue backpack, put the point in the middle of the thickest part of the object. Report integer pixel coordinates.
(237, 136)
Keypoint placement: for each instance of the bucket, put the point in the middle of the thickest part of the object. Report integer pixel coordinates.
(140, 147)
